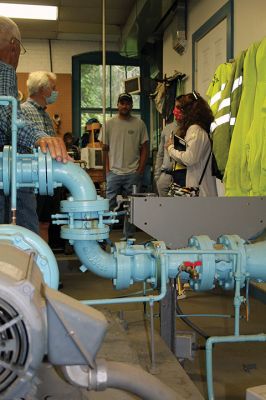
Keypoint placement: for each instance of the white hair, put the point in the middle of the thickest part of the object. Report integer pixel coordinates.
(38, 80)
(8, 30)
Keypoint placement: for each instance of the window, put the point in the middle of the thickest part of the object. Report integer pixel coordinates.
(91, 90)
(87, 90)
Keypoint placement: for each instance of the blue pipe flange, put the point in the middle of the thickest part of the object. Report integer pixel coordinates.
(70, 233)
(49, 176)
(135, 263)
(234, 242)
(27, 170)
(158, 247)
(35, 170)
(6, 169)
(81, 206)
(123, 278)
(85, 219)
(42, 173)
(206, 268)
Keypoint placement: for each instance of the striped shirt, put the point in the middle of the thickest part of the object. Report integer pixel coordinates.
(32, 111)
(28, 134)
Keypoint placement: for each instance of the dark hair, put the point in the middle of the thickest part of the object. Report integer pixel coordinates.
(196, 111)
(178, 98)
(92, 121)
(68, 134)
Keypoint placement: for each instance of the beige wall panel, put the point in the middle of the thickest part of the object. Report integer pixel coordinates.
(249, 26)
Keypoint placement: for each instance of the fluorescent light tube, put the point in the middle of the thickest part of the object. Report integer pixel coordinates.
(28, 11)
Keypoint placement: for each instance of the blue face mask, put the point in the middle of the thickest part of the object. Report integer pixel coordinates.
(52, 98)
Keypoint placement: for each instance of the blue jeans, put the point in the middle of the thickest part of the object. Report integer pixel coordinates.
(26, 209)
(122, 184)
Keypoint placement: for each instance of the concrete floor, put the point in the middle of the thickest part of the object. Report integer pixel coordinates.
(236, 367)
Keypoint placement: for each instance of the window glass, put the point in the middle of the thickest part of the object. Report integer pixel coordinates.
(87, 115)
(91, 90)
(118, 75)
(91, 86)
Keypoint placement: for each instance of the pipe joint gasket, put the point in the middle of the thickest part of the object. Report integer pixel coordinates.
(123, 279)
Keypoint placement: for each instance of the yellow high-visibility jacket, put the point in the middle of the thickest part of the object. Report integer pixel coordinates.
(237, 178)
(226, 114)
(256, 138)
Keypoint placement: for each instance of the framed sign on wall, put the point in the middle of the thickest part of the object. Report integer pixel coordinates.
(212, 44)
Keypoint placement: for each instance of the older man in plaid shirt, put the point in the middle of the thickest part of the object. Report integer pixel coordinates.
(28, 136)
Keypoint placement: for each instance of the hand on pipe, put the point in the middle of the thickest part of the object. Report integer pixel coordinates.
(56, 146)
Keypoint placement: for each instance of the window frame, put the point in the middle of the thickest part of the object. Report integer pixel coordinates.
(95, 58)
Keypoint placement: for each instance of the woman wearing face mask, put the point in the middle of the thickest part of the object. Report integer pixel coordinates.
(195, 118)
(166, 170)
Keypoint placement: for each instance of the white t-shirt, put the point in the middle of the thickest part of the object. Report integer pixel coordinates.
(124, 138)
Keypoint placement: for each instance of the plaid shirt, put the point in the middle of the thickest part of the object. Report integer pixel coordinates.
(28, 134)
(32, 111)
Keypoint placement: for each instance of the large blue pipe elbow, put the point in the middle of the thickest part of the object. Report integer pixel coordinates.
(82, 189)
(75, 179)
(95, 259)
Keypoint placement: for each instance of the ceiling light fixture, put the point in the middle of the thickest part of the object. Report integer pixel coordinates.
(29, 11)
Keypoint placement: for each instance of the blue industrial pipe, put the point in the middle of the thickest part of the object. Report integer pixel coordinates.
(204, 315)
(224, 339)
(85, 221)
(136, 299)
(99, 261)
(14, 153)
(75, 179)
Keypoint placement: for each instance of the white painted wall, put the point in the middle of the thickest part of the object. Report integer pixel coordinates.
(249, 26)
(38, 54)
(199, 11)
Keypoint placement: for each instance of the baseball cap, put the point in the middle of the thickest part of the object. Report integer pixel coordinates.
(125, 96)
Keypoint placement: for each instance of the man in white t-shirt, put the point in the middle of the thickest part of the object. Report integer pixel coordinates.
(126, 149)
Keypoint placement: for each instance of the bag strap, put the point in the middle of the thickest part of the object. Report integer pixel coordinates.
(204, 170)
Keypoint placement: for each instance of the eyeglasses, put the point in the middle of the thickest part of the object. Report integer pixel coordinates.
(22, 48)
